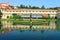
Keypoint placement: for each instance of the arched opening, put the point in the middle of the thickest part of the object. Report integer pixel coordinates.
(7, 16)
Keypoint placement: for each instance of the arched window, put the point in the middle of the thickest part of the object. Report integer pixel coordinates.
(7, 16)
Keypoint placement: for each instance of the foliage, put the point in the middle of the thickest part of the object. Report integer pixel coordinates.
(11, 17)
(0, 25)
(49, 16)
(28, 7)
(43, 7)
(0, 14)
(22, 6)
(55, 8)
(15, 16)
(12, 7)
(33, 7)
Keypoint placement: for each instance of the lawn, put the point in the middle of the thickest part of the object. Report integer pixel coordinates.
(27, 22)
(34, 22)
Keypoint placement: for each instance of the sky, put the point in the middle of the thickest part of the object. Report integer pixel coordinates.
(38, 3)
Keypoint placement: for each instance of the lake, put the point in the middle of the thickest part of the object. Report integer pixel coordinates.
(50, 31)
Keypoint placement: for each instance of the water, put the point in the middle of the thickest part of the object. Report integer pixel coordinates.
(24, 32)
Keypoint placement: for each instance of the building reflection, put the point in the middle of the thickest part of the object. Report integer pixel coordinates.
(7, 27)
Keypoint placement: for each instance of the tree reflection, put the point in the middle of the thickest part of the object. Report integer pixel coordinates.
(57, 24)
(30, 27)
(48, 22)
(0, 25)
(42, 31)
(22, 30)
(7, 30)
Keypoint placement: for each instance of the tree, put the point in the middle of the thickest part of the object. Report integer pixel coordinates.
(12, 7)
(15, 16)
(56, 8)
(22, 6)
(48, 16)
(43, 7)
(34, 7)
(0, 25)
(29, 6)
(26, 6)
(0, 14)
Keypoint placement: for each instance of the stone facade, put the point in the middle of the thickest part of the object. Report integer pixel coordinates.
(26, 12)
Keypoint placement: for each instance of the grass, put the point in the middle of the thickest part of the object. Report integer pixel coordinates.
(27, 22)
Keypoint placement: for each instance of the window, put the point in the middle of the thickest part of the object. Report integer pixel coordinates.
(46, 11)
(7, 16)
(52, 11)
(36, 11)
(43, 11)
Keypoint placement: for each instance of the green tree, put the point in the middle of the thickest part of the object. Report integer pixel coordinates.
(29, 6)
(11, 6)
(34, 7)
(26, 7)
(0, 25)
(43, 7)
(0, 14)
(15, 16)
(22, 6)
(49, 16)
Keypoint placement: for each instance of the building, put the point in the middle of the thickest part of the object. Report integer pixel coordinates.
(25, 13)
(5, 6)
(58, 14)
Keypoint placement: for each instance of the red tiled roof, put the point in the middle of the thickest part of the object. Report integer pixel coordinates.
(7, 7)
(45, 15)
(0, 6)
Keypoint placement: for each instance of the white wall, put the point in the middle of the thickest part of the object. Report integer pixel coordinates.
(5, 13)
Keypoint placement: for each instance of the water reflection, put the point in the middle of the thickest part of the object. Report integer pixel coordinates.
(0, 25)
(57, 24)
(7, 26)
(27, 32)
